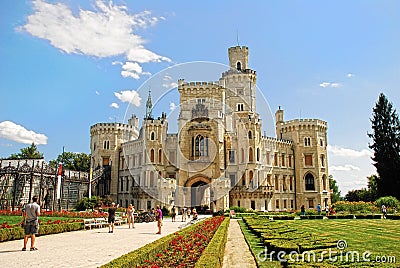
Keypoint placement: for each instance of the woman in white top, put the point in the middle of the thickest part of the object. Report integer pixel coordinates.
(129, 213)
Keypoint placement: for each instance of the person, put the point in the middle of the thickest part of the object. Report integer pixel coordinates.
(173, 213)
(303, 210)
(332, 210)
(184, 214)
(319, 209)
(327, 210)
(188, 213)
(30, 217)
(159, 218)
(111, 217)
(194, 214)
(384, 211)
(129, 213)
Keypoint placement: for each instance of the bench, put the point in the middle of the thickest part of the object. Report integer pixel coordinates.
(95, 223)
(120, 220)
(89, 223)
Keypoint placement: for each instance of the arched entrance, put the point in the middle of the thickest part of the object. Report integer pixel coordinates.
(200, 194)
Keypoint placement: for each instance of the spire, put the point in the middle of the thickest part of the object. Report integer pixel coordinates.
(149, 106)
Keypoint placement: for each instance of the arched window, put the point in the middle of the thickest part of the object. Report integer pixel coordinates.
(250, 135)
(242, 155)
(324, 182)
(258, 154)
(251, 179)
(239, 66)
(152, 136)
(151, 179)
(200, 146)
(159, 156)
(310, 182)
(152, 155)
(307, 141)
(250, 154)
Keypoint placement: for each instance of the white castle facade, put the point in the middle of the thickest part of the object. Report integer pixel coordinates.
(219, 157)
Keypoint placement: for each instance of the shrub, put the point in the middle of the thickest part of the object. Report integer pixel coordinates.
(388, 201)
(337, 217)
(312, 217)
(351, 207)
(238, 209)
(393, 217)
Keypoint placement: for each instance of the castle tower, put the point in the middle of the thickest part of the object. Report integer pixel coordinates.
(238, 58)
(309, 137)
(105, 146)
(149, 106)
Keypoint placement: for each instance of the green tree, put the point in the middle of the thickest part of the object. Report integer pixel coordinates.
(386, 145)
(336, 194)
(73, 161)
(30, 152)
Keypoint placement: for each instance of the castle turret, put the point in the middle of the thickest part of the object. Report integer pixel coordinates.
(238, 57)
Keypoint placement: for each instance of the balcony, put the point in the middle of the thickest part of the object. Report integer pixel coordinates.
(244, 191)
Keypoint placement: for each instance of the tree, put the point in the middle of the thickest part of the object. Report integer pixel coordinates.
(30, 152)
(335, 190)
(73, 161)
(386, 145)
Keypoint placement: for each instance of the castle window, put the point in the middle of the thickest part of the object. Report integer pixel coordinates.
(284, 203)
(151, 179)
(321, 142)
(239, 66)
(152, 136)
(240, 107)
(276, 160)
(121, 180)
(250, 135)
(324, 182)
(290, 161)
(283, 160)
(244, 179)
(127, 184)
(291, 183)
(200, 146)
(310, 182)
(291, 204)
(308, 160)
(258, 154)
(322, 160)
(250, 154)
(268, 159)
(284, 187)
(310, 203)
(307, 141)
(276, 183)
(251, 182)
(242, 155)
(106, 145)
(94, 146)
(152, 155)
(231, 156)
(159, 156)
(253, 204)
(232, 178)
(277, 204)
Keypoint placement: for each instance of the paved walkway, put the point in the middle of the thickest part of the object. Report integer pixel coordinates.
(237, 253)
(90, 248)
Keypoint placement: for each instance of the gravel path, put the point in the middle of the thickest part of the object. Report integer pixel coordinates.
(90, 248)
(237, 252)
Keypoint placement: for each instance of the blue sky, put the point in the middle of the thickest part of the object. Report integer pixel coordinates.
(66, 65)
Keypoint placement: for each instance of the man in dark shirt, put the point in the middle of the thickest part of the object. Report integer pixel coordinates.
(111, 217)
(30, 215)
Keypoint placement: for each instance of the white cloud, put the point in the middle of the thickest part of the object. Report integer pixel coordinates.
(168, 82)
(114, 105)
(346, 167)
(172, 106)
(107, 31)
(350, 75)
(11, 131)
(345, 152)
(132, 69)
(329, 84)
(130, 96)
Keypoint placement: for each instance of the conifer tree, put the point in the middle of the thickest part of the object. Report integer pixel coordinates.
(386, 145)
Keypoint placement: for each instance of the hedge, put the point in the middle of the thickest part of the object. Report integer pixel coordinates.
(7, 234)
(213, 255)
(368, 216)
(337, 217)
(393, 217)
(311, 217)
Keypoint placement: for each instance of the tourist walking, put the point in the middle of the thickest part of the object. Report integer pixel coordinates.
(173, 213)
(159, 217)
(111, 217)
(303, 210)
(129, 213)
(30, 218)
(184, 214)
(319, 209)
(384, 211)
(327, 210)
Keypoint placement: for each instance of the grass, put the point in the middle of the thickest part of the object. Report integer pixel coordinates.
(379, 237)
(11, 220)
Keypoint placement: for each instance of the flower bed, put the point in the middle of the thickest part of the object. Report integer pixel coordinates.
(63, 214)
(180, 249)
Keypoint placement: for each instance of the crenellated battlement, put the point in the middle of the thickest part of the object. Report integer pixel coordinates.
(306, 122)
(277, 141)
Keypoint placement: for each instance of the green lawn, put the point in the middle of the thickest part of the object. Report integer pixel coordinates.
(380, 237)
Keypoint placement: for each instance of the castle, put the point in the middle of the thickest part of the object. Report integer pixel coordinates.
(219, 158)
